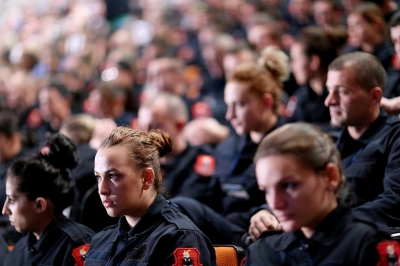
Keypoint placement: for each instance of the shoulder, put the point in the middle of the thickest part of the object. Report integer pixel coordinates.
(266, 250)
(78, 233)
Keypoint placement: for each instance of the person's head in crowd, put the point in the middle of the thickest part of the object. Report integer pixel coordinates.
(55, 104)
(166, 112)
(366, 27)
(263, 31)
(27, 61)
(299, 168)
(166, 74)
(78, 128)
(21, 92)
(253, 93)
(127, 167)
(327, 13)
(107, 100)
(10, 137)
(240, 53)
(300, 10)
(39, 187)
(312, 52)
(394, 25)
(355, 83)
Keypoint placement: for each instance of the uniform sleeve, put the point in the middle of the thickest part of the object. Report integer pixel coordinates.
(385, 207)
(184, 246)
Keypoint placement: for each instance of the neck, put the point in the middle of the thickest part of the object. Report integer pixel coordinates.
(309, 230)
(370, 47)
(148, 198)
(42, 227)
(356, 131)
(317, 84)
(257, 135)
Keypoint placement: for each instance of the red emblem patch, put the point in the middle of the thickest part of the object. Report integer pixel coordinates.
(79, 254)
(205, 165)
(187, 257)
(389, 252)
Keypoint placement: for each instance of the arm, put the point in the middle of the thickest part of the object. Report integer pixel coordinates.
(391, 106)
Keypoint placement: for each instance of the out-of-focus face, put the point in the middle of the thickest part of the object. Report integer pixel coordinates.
(20, 210)
(300, 64)
(324, 14)
(100, 107)
(120, 186)
(159, 74)
(348, 103)
(360, 31)
(261, 36)
(52, 104)
(156, 117)
(298, 196)
(245, 109)
(395, 36)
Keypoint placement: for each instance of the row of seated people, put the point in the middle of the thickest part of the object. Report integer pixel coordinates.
(367, 143)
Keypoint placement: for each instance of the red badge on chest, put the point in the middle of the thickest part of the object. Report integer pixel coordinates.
(389, 252)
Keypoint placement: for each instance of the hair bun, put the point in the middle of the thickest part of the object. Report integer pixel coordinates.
(162, 141)
(276, 62)
(59, 151)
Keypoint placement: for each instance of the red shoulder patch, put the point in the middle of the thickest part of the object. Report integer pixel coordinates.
(34, 118)
(389, 252)
(187, 257)
(201, 109)
(205, 165)
(79, 254)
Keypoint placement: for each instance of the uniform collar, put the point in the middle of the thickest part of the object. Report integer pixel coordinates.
(325, 234)
(145, 223)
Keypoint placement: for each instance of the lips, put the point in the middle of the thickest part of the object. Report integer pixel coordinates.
(108, 203)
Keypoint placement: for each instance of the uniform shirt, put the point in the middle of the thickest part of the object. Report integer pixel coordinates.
(53, 248)
(163, 236)
(234, 185)
(188, 173)
(340, 239)
(372, 170)
(307, 106)
(392, 88)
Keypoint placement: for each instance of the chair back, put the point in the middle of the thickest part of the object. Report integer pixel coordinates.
(229, 255)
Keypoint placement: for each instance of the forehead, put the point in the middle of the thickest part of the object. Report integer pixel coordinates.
(116, 157)
(344, 77)
(236, 90)
(395, 32)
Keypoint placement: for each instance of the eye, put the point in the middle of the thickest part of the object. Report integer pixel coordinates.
(10, 200)
(113, 176)
(98, 178)
(289, 185)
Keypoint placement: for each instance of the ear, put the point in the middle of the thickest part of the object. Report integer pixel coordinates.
(376, 95)
(334, 177)
(268, 100)
(148, 178)
(180, 124)
(41, 205)
(315, 63)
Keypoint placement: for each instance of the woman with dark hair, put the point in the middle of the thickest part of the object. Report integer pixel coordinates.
(299, 169)
(38, 189)
(150, 231)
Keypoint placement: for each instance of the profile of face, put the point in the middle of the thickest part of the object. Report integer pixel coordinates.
(120, 185)
(395, 36)
(348, 103)
(159, 74)
(324, 14)
(20, 210)
(100, 107)
(360, 31)
(300, 64)
(245, 108)
(298, 196)
(262, 36)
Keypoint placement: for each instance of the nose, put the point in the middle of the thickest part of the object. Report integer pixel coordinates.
(6, 210)
(104, 188)
(275, 200)
(331, 99)
(230, 113)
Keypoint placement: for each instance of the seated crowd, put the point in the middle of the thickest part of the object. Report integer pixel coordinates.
(147, 135)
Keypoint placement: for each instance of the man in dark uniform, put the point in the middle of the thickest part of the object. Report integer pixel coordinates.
(187, 169)
(369, 143)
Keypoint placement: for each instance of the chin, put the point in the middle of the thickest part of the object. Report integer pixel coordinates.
(290, 226)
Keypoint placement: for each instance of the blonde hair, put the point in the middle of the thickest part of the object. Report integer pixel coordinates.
(266, 76)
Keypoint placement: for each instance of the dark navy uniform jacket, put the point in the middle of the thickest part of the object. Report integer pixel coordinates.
(234, 185)
(53, 248)
(160, 238)
(392, 88)
(372, 170)
(188, 173)
(340, 239)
